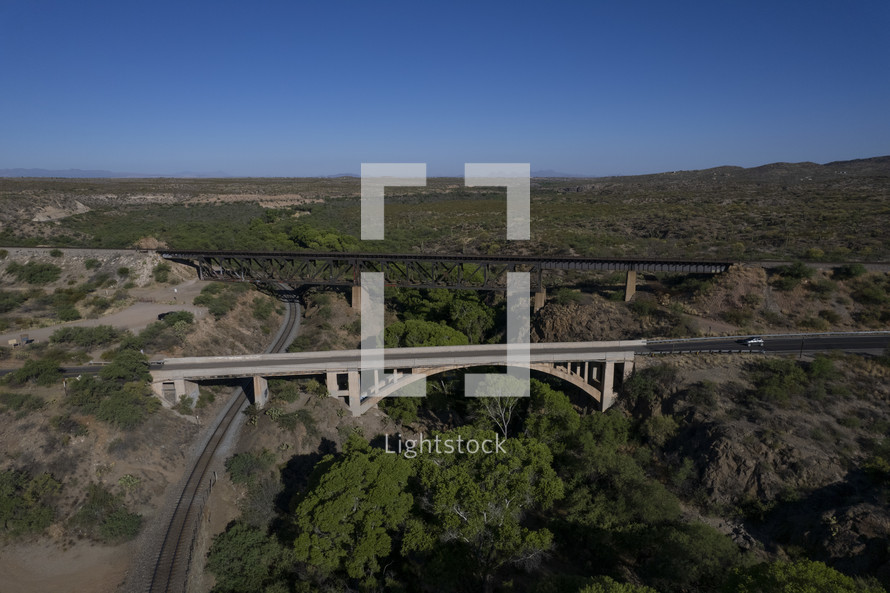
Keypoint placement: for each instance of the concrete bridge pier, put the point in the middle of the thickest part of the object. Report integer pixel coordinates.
(357, 298)
(169, 392)
(540, 297)
(351, 391)
(630, 287)
(260, 391)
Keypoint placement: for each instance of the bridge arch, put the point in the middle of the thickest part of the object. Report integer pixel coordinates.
(596, 379)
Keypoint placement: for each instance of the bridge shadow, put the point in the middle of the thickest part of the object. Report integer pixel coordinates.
(288, 295)
(295, 479)
(831, 524)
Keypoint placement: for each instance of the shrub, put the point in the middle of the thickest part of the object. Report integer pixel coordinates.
(104, 516)
(184, 406)
(3, 253)
(847, 271)
(56, 253)
(44, 372)
(262, 308)
(34, 272)
(823, 288)
(127, 407)
(25, 502)
(92, 264)
(564, 296)
(284, 390)
(174, 317)
(220, 298)
(657, 430)
(777, 380)
(205, 398)
(830, 316)
(798, 270)
(23, 403)
(738, 317)
(68, 313)
(86, 337)
(244, 467)
(703, 393)
(161, 272)
(643, 307)
(123, 271)
(869, 294)
(68, 425)
(10, 300)
(816, 323)
(785, 283)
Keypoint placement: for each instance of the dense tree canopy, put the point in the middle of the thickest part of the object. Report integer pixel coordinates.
(346, 518)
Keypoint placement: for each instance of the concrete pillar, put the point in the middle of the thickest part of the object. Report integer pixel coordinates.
(260, 391)
(355, 393)
(331, 383)
(357, 298)
(631, 285)
(608, 381)
(540, 297)
(628, 368)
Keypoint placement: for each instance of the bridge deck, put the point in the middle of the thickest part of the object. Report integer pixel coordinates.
(215, 367)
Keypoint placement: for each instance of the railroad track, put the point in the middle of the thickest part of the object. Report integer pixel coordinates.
(171, 569)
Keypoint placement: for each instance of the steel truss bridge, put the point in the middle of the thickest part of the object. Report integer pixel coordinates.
(474, 272)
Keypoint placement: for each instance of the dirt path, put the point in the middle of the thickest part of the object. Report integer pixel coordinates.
(153, 302)
(94, 568)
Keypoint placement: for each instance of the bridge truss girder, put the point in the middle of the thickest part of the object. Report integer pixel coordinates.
(409, 270)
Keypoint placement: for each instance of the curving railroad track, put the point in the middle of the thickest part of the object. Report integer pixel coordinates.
(171, 568)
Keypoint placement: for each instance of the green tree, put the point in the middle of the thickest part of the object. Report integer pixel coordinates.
(607, 585)
(551, 417)
(803, 576)
(414, 332)
(345, 519)
(471, 317)
(475, 503)
(245, 559)
(127, 365)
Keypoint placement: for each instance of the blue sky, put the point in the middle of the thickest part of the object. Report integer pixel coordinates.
(314, 88)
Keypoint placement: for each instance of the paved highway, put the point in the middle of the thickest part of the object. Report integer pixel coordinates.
(866, 342)
(863, 342)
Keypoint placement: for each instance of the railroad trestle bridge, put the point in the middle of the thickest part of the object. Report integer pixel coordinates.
(473, 272)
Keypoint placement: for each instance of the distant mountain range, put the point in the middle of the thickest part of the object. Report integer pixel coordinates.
(774, 171)
(100, 174)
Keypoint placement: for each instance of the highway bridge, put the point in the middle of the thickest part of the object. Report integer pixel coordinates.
(474, 272)
(596, 368)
